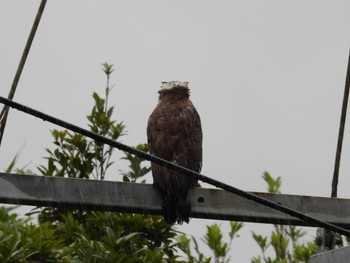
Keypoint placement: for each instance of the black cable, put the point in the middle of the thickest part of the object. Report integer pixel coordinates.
(5, 110)
(341, 133)
(175, 167)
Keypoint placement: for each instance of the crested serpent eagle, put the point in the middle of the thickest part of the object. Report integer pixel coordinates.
(175, 134)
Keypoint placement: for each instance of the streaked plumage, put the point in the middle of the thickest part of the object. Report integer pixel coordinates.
(174, 133)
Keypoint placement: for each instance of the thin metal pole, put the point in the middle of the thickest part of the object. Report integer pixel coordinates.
(341, 133)
(5, 110)
(178, 168)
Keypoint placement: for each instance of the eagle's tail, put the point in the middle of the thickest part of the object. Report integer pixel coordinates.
(176, 210)
(174, 191)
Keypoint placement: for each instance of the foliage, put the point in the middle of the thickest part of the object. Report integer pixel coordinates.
(11, 230)
(78, 157)
(213, 239)
(64, 235)
(12, 169)
(136, 169)
(284, 240)
(104, 237)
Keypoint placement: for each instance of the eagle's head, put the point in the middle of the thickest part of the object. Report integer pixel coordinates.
(173, 84)
(176, 89)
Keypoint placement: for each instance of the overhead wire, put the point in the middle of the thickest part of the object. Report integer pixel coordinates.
(5, 111)
(341, 133)
(178, 168)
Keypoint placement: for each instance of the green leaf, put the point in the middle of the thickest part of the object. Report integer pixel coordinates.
(256, 260)
(107, 68)
(109, 112)
(274, 185)
(261, 241)
(235, 227)
(280, 244)
(12, 164)
(213, 239)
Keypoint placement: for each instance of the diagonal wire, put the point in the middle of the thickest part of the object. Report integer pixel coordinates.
(341, 132)
(5, 111)
(170, 165)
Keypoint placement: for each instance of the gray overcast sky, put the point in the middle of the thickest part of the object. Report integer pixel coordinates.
(267, 78)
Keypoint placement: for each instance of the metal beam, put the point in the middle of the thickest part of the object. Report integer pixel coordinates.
(142, 198)
(339, 255)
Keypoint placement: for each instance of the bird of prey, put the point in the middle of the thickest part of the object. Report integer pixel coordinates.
(175, 134)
